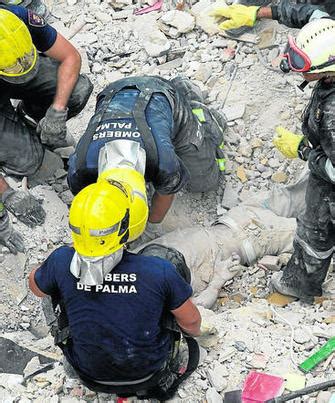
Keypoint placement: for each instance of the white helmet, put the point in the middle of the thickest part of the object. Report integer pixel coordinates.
(314, 48)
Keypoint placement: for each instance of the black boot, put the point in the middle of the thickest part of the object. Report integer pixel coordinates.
(279, 285)
(303, 276)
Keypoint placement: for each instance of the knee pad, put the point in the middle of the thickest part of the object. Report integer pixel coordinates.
(170, 254)
(80, 95)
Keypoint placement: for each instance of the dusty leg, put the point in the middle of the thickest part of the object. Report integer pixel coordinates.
(224, 270)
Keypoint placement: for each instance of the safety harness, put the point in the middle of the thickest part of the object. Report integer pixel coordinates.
(160, 385)
(146, 87)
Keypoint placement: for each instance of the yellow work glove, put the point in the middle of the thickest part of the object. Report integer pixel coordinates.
(236, 16)
(287, 142)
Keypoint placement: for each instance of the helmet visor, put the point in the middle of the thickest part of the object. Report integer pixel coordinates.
(298, 60)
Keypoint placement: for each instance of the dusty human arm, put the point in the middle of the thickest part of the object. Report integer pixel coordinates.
(3, 185)
(264, 12)
(34, 287)
(160, 205)
(188, 318)
(68, 72)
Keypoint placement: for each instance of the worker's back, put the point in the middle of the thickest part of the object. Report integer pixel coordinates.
(115, 327)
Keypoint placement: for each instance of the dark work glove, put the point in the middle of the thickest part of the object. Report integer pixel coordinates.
(24, 206)
(52, 128)
(8, 237)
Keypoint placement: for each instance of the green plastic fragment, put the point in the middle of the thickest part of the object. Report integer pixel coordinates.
(2, 207)
(324, 352)
(199, 113)
(13, 2)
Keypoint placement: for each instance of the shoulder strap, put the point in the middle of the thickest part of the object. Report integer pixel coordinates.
(147, 137)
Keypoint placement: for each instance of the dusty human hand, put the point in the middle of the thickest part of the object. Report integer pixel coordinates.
(224, 270)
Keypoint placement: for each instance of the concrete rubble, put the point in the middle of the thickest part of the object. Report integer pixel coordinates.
(250, 326)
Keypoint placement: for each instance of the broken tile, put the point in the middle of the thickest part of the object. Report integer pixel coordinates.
(279, 299)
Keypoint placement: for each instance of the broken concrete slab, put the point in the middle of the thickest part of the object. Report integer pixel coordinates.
(51, 163)
(181, 20)
(201, 11)
(13, 267)
(230, 197)
(279, 299)
(212, 396)
(241, 174)
(172, 64)
(204, 72)
(14, 357)
(153, 40)
(279, 177)
(156, 43)
(270, 262)
(267, 38)
(120, 15)
(234, 112)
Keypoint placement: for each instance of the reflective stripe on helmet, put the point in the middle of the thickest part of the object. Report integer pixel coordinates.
(104, 231)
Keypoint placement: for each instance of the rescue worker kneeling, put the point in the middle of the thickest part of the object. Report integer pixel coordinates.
(41, 69)
(114, 303)
(163, 127)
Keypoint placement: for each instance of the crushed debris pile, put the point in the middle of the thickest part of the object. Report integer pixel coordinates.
(252, 329)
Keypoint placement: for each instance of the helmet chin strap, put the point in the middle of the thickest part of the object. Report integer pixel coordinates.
(303, 85)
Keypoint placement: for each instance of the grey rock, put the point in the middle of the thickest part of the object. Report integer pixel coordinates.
(270, 262)
(204, 72)
(230, 197)
(234, 112)
(60, 173)
(182, 21)
(32, 366)
(324, 397)
(216, 377)
(67, 197)
(120, 15)
(173, 64)
(302, 336)
(156, 43)
(212, 396)
(97, 68)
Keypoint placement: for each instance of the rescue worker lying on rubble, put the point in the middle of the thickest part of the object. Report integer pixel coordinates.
(121, 309)
(41, 68)
(297, 15)
(163, 128)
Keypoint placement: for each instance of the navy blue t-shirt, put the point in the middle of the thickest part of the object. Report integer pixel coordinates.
(171, 173)
(115, 327)
(42, 34)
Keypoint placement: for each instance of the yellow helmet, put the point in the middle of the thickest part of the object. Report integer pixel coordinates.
(134, 182)
(99, 219)
(18, 55)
